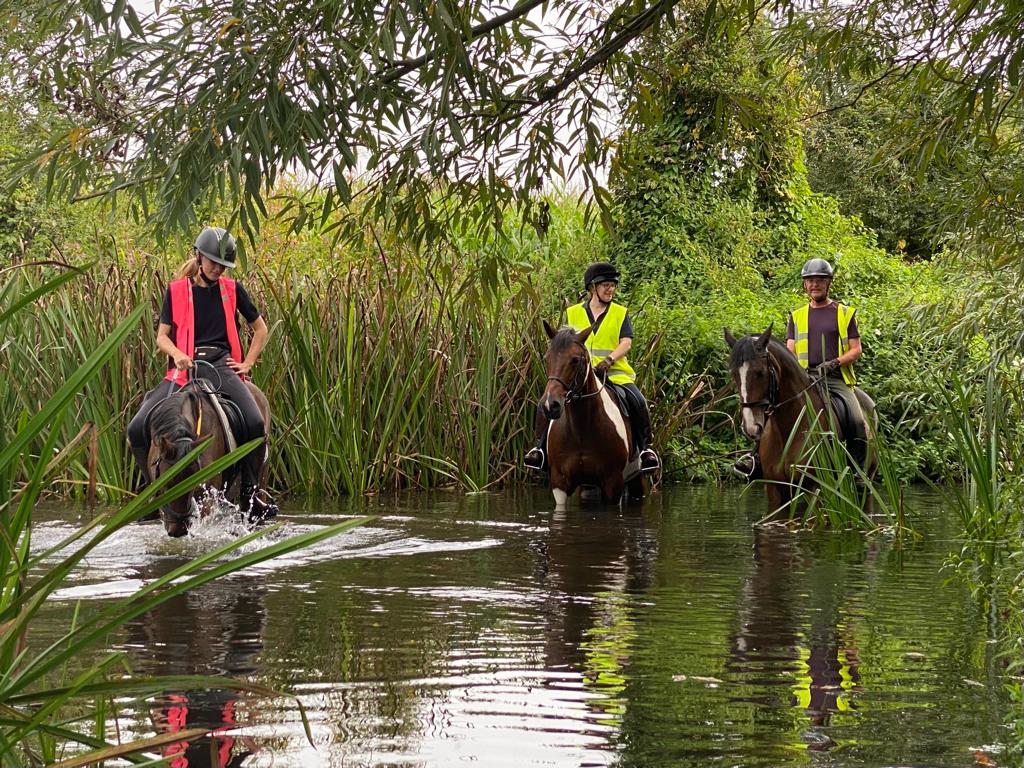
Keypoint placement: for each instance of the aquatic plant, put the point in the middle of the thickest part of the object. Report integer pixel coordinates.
(46, 712)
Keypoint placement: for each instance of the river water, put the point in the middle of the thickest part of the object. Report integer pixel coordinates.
(487, 629)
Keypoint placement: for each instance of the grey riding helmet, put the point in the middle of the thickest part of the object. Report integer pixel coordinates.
(217, 245)
(816, 268)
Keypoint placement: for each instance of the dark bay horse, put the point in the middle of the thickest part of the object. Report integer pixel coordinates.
(781, 406)
(176, 426)
(590, 442)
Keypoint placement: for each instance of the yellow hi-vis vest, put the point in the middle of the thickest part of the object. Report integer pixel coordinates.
(604, 341)
(801, 323)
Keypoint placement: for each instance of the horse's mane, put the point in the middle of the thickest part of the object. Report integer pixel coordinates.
(746, 350)
(168, 419)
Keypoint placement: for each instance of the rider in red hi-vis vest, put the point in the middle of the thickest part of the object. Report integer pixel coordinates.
(183, 318)
(198, 332)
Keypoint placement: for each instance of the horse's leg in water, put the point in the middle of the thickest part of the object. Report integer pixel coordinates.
(611, 489)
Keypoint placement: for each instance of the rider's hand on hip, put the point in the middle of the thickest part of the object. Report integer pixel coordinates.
(241, 368)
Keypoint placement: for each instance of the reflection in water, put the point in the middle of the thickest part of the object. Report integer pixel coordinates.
(815, 671)
(216, 630)
(596, 564)
(487, 629)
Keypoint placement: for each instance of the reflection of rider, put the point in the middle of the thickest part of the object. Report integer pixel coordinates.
(199, 322)
(823, 335)
(608, 345)
(203, 709)
(218, 630)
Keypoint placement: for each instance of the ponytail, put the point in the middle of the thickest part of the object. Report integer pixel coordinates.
(189, 269)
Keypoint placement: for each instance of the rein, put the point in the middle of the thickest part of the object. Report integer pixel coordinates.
(770, 403)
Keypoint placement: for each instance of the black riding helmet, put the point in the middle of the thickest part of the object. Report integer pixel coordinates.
(600, 272)
(217, 245)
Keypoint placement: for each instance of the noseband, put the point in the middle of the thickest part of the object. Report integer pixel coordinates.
(573, 391)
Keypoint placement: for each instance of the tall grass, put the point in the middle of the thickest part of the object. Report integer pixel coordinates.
(982, 421)
(833, 491)
(47, 713)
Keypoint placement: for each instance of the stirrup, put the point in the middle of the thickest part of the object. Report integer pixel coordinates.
(649, 461)
(745, 466)
(535, 459)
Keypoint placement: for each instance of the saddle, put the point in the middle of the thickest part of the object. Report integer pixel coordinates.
(854, 430)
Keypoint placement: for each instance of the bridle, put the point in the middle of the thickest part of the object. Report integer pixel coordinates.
(573, 392)
(771, 403)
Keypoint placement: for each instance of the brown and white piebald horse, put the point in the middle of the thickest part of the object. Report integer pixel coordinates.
(590, 442)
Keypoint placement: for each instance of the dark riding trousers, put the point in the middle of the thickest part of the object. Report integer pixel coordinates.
(851, 397)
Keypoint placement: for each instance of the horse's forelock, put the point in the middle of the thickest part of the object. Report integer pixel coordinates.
(564, 339)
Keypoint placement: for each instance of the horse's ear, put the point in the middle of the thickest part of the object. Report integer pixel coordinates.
(582, 335)
(549, 330)
(166, 446)
(764, 338)
(729, 338)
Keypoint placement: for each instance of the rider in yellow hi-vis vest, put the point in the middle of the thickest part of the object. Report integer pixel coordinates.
(608, 345)
(823, 335)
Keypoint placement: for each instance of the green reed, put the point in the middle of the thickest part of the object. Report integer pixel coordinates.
(833, 491)
(982, 421)
(48, 711)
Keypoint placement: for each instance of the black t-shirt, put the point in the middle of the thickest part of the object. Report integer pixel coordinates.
(626, 332)
(209, 316)
(823, 333)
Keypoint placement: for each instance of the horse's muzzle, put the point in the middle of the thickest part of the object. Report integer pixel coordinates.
(552, 407)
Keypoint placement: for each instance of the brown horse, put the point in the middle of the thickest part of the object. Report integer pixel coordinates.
(590, 442)
(176, 426)
(779, 405)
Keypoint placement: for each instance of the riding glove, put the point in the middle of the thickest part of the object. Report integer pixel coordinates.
(602, 367)
(829, 366)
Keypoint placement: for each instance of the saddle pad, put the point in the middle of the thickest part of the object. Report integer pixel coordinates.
(623, 400)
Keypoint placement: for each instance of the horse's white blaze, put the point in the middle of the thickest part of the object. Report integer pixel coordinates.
(749, 426)
(560, 497)
(611, 409)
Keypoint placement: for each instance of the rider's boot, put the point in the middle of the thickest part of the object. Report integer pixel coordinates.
(649, 461)
(536, 458)
(254, 501)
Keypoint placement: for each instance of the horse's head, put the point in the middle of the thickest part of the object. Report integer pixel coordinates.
(173, 435)
(568, 367)
(756, 378)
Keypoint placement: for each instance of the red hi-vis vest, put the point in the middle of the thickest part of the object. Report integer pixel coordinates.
(184, 318)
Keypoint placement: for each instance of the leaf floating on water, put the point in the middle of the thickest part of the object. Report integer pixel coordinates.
(980, 758)
(975, 683)
(914, 655)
